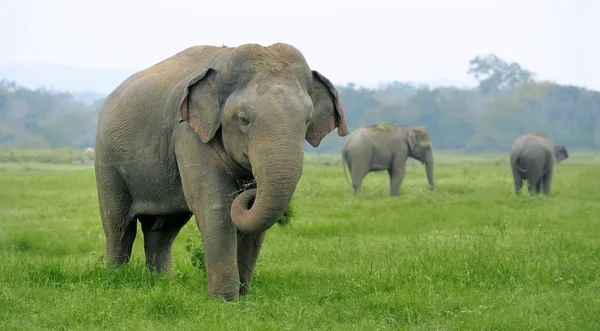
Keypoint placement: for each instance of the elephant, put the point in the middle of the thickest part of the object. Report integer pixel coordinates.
(184, 138)
(532, 158)
(386, 147)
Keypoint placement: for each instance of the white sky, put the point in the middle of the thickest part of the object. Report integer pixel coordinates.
(365, 42)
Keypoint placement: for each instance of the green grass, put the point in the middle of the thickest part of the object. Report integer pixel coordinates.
(468, 256)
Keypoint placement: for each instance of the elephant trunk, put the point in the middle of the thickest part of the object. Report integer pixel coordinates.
(276, 167)
(429, 168)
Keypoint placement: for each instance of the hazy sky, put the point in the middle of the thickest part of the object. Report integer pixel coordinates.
(366, 42)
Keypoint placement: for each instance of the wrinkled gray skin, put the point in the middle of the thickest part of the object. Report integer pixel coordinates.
(179, 138)
(532, 158)
(368, 149)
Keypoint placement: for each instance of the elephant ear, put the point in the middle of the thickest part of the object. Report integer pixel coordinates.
(200, 106)
(411, 139)
(328, 111)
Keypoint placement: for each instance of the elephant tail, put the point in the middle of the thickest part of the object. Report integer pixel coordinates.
(344, 166)
(519, 168)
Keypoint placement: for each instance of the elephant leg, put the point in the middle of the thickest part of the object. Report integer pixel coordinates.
(531, 186)
(219, 238)
(119, 225)
(396, 176)
(119, 239)
(518, 181)
(159, 234)
(248, 249)
(546, 183)
(358, 171)
(532, 182)
(208, 190)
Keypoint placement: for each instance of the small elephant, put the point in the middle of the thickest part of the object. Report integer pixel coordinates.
(386, 147)
(532, 159)
(182, 137)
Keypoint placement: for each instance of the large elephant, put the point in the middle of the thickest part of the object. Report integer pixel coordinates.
(532, 158)
(386, 147)
(182, 137)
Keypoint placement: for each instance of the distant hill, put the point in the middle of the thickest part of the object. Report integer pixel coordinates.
(88, 97)
(86, 84)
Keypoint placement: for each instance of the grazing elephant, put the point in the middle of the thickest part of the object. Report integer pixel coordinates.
(386, 147)
(182, 137)
(532, 159)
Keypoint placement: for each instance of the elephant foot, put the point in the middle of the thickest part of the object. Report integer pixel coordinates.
(244, 289)
(159, 269)
(231, 295)
(229, 291)
(245, 280)
(226, 296)
(224, 285)
(117, 261)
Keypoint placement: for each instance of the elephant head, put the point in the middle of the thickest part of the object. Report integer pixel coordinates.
(420, 148)
(560, 152)
(263, 102)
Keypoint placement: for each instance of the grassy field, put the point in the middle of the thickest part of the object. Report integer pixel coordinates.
(468, 256)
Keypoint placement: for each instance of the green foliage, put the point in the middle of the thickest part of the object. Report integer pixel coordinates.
(468, 256)
(193, 245)
(384, 127)
(288, 215)
(41, 118)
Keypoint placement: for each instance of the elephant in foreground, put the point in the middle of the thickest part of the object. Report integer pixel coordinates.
(184, 136)
(532, 158)
(386, 147)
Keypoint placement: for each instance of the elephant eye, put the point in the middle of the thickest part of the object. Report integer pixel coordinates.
(242, 119)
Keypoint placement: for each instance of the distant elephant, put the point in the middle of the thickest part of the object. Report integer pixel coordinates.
(386, 147)
(532, 159)
(182, 137)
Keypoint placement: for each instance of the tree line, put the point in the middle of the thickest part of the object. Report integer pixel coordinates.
(507, 102)
(42, 118)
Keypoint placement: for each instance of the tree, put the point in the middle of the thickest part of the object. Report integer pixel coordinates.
(494, 74)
